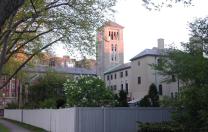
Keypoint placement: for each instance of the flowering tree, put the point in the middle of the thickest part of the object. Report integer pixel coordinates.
(88, 92)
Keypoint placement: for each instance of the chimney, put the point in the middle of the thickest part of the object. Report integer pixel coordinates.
(160, 43)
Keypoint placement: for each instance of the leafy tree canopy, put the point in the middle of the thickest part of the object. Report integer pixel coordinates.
(38, 24)
(158, 4)
(191, 68)
(88, 92)
(47, 91)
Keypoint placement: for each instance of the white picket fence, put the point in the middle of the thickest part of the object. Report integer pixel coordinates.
(85, 119)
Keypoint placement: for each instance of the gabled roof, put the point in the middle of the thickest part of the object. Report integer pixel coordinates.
(64, 70)
(118, 68)
(113, 24)
(150, 52)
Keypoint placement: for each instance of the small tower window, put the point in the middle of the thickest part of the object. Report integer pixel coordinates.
(111, 35)
(112, 46)
(117, 35)
(115, 47)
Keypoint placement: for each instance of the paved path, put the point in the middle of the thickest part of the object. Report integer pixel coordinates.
(13, 127)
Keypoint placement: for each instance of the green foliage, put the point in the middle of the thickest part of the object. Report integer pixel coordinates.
(60, 102)
(167, 101)
(152, 99)
(47, 90)
(3, 128)
(88, 92)
(48, 103)
(122, 99)
(191, 68)
(153, 95)
(158, 4)
(12, 105)
(38, 24)
(162, 127)
(145, 102)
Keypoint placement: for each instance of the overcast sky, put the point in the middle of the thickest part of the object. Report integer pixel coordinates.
(144, 27)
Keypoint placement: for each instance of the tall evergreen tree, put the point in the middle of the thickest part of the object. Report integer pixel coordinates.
(123, 99)
(153, 95)
(152, 99)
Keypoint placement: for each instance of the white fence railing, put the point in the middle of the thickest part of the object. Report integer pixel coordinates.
(84, 119)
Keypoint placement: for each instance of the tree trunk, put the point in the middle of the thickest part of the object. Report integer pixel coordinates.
(7, 8)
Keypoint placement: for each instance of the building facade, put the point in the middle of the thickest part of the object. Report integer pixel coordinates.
(109, 48)
(138, 75)
(10, 92)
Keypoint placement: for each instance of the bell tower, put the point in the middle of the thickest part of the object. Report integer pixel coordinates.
(110, 49)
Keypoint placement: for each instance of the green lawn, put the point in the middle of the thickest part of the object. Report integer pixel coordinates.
(26, 126)
(3, 128)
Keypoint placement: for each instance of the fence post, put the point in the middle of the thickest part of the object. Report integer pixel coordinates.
(50, 119)
(76, 119)
(21, 115)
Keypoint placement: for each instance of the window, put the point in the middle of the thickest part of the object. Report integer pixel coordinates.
(13, 85)
(127, 88)
(13, 94)
(121, 74)
(107, 77)
(115, 75)
(138, 63)
(115, 87)
(160, 89)
(111, 35)
(111, 88)
(112, 57)
(115, 47)
(111, 77)
(112, 47)
(121, 86)
(139, 80)
(176, 94)
(171, 95)
(173, 78)
(117, 35)
(159, 61)
(126, 73)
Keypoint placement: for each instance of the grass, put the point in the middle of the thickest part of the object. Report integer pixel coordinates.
(26, 126)
(3, 128)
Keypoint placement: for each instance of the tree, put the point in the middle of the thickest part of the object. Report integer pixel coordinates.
(122, 99)
(145, 102)
(47, 91)
(153, 95)
(191, 68)
(157, 5)
(88, 92)
(38, 24)
(7, 8)
(152, 99)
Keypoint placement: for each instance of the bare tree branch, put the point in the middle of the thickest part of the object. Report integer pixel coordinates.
(28, 59)
(22, 45)
(8, 7)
